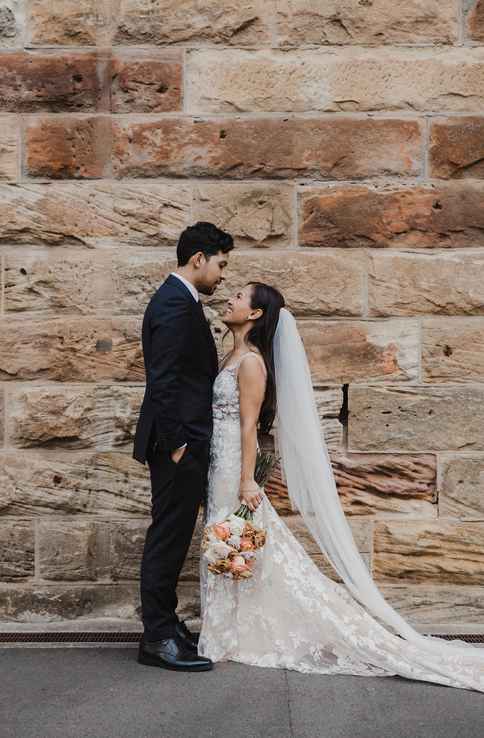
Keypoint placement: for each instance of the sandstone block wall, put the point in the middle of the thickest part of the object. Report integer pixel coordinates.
(342, 144)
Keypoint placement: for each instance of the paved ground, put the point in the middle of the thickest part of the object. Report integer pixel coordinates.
(103, 692)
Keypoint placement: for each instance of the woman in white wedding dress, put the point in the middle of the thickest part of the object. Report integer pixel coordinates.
(289, 614)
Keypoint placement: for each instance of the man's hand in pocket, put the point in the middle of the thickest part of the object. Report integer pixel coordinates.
(178, 454)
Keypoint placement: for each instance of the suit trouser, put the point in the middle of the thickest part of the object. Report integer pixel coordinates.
(177, 490)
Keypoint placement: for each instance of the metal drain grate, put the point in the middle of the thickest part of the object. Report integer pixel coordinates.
(68, 637)
(133, 637)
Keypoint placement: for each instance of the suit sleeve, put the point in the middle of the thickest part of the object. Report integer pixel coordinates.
(169, 331)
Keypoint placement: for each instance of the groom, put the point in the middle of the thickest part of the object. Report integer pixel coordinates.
(173, 435)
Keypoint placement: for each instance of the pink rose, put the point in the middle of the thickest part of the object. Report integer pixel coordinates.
(238, 565)
(246, 544)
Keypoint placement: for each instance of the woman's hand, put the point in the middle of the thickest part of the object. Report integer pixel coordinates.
(250, 494)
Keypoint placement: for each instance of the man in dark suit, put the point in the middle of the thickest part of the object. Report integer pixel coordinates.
(173, 435)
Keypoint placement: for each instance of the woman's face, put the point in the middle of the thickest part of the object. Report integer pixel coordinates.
(238, 307)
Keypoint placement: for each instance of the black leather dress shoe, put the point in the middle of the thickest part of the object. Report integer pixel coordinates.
(191, 639)
(171, 653)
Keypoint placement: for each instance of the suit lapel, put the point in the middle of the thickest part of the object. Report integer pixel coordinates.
(210, 338)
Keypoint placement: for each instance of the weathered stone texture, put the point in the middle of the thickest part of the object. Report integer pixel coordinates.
(447, 215)
(461, 493)
(453, 349)
(361, 350)
(456, 148)
(104, 484)
(94, 214)
(72, 349)
(52, 82)
(380, 22)
(336, 148)
(475, 21)
(17, 560)
(8, 147)
(380, 486)
(421, 418)
(68, 550)
(439, 552)
(348, 80)
(67, 148)
(66, 23)
(100, 417)
(144, 81)
(44, 603)
(433, 604)
(255, 215)
(11, 18)
(300, 277)
(409, 284)
(214, 21)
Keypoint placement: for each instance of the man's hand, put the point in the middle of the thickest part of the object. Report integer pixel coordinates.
(178, 453)
(250, 494)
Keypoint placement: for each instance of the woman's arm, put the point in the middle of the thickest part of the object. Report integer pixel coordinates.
(252, 384)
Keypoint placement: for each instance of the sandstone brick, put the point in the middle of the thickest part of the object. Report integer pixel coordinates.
(300, 276)
(94, 214)
(67, 550)
(67, 147)
(439, 552)
(70, 22)
(11, 16)
(337, 148)
(346, 79)
(137, 277)
(460, 494)
(409, 284)
(255, 215)
(8, 147)
(58, 483)
(215, 21)
(49, 284)
(456, 149)
(452, 349)
(379, 22)
(415, 419)
(354, 351)
(39, 81)
(100, 417)
(386, 484)
(126, 548)
(46, 603)
(437, 605)
(447, 215)
(475, 20)
(17, 560)
(383, 485)
(72, 349)
(145, 81)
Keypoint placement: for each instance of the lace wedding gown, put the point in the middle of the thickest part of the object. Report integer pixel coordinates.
(289, 614)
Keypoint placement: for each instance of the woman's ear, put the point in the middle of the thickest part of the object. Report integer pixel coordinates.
(256, 314)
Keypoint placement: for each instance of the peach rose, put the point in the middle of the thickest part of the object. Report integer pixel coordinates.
(222, 531)
(246, 545)
(238, 565)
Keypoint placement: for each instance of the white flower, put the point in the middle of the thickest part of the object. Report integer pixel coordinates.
(234, 541)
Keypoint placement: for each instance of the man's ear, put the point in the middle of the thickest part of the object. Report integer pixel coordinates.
(198, 259)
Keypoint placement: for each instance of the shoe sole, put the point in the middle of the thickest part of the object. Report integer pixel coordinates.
(148, 660)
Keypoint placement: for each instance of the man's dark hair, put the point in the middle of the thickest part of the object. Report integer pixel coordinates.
(204, 237)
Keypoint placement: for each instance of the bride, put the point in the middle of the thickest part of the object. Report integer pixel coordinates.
(289, 614)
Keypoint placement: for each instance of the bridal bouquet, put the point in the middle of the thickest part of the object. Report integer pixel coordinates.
(230, 545)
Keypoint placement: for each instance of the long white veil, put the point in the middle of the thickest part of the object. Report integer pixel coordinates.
(312, 487)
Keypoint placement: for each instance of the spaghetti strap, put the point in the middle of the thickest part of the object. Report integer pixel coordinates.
(238, 363)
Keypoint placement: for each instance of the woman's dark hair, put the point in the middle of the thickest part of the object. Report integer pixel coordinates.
(204, 237)
(261, 335)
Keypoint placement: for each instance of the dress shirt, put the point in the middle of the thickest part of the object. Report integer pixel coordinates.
(188, 285)
(194, 293)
